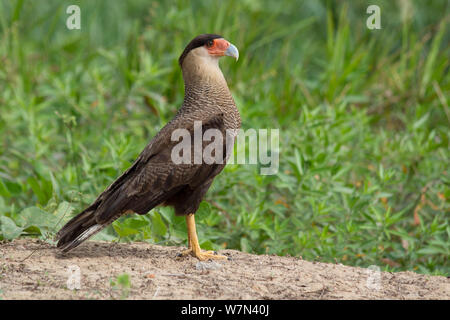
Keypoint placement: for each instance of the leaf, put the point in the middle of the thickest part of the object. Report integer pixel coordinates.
(39, 190)
(421, 121)
(123, 230)
(9, 229)
(432, 55)
(342, 189)
(4, 190)
(298, 164)
(3, 207)
(167, 214)
(54, 184)
(207, 245)
(203, 210)
(64, 209)
(245, 245)
(13, 188)
(158, 226)
(270, 232)
(137, 223)
(383, 195)
(124, 280)
(34, 216)
(432, 250)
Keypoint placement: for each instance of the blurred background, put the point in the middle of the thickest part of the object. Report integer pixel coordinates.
(363, 116)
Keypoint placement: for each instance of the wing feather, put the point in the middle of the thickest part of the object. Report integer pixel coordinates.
(154, 178)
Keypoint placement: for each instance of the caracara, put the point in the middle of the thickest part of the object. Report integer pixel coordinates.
(155, 178)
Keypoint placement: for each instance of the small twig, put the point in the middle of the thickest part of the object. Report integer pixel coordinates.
(174, 274)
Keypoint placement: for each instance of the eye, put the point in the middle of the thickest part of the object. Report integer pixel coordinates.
(210, 43)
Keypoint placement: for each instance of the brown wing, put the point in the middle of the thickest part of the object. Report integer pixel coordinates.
(154, 178)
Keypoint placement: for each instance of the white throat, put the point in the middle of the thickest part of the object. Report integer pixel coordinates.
(200, 66)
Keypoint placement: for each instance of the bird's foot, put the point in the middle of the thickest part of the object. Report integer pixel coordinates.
(194, 246)
(202, 255)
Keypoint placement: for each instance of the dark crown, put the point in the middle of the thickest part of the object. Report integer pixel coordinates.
(198, 41)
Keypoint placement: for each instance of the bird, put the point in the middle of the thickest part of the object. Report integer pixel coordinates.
(154, 178)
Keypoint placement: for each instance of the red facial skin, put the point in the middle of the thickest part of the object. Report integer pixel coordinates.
(218, 47)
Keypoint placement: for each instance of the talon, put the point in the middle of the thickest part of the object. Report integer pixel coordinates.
(207, 256)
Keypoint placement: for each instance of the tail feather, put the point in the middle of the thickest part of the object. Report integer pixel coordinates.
(77, 230)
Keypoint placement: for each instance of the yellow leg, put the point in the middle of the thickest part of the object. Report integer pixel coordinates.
(193, 246)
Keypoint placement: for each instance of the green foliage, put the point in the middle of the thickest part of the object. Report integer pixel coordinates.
(122, 283)
(363, 118)
(9, 228)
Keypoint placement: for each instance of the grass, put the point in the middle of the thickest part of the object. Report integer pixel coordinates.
(363, 118)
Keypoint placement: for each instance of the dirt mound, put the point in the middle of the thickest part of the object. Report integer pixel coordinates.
(155, 272)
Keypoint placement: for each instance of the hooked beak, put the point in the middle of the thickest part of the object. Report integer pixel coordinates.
(232, 51)
(222, 47)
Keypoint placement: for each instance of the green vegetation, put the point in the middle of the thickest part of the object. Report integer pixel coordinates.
(122, 284)
(363, 117)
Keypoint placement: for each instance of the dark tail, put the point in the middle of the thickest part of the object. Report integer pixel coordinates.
(77, 230)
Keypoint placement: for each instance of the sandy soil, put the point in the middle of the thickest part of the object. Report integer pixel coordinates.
(157, 273)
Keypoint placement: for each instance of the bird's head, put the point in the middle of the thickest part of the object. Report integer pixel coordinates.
(205, 50)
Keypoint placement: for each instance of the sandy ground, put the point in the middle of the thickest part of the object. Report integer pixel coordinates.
(157, 273)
